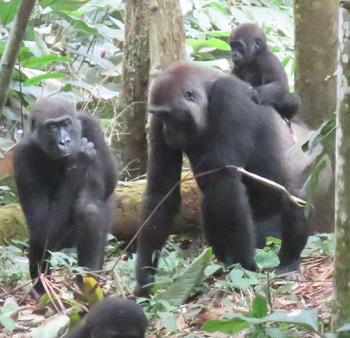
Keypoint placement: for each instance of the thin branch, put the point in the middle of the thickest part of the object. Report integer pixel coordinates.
(269, 183)
(13, 45)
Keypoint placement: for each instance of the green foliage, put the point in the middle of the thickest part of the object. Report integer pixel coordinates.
(9, 308)
(257, 318)
(181, 287)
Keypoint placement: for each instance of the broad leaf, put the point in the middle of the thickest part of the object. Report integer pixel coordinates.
(180, 289)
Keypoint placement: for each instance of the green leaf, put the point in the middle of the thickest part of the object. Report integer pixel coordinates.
(214, 43)
(6, 311)
(37, 79)
(8, 10)
(66, 5)
(230, 326)
(179, 290)
(78, 24)
(237, 279)
(39, 62)
(169, 321)
(211, 269)
(306, 318)
(266, 260)
(259, 307)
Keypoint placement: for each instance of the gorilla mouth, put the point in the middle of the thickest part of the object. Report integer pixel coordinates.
(64, 150)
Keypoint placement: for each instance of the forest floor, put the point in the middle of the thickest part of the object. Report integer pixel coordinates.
(311, 289)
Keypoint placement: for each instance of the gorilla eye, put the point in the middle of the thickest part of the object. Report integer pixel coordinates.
(68, 123)
(52, 128)
(189, 95)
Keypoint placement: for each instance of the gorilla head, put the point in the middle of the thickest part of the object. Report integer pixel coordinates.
(183, 88)
(246, 41)
(55, 127)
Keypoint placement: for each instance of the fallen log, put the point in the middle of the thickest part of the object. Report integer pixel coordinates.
(127, 217)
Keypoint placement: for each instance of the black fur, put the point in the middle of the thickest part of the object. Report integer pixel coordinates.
(258, 66)
(65, 176)
(212, 119)
(113, 317)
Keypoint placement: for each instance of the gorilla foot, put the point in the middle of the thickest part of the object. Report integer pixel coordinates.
(289, 267)
(141, 291)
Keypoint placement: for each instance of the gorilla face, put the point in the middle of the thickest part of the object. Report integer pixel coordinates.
(181, 104)
(246, 41)
(56, 128)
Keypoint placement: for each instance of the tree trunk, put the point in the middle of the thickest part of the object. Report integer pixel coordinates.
(13, 44)
(132, 103)
(127, 210)
(316, 32)
(167, 34)
(342, 180)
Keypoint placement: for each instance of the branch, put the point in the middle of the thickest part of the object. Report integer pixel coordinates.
(13, 44)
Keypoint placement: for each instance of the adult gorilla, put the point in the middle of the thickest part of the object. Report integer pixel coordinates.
(213, 120)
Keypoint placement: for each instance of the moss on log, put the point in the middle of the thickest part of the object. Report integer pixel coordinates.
(127, 216)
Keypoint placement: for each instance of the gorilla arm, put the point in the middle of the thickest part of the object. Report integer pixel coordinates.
(228, 219)
(164, 172)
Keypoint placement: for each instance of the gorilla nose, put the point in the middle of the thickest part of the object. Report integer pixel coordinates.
(64, 146)
(236, 56)
(159, 112)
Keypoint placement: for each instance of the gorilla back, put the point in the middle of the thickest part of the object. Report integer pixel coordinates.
(212, 118)
(65, 176)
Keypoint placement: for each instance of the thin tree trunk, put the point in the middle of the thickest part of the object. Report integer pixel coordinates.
(316, 36)
(316, 32)
(342, 180)
(133, 97)
(13, 44)
(167, 34)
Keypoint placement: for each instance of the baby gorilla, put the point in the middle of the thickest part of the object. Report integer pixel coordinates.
(65, 177)
(255, 64)
(112, 318)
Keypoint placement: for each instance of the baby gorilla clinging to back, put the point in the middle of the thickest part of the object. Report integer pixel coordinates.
(258, 66)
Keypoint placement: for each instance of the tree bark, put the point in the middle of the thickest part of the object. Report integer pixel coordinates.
(167, 34)
(127, 211)
(342, 180)
(316, 36)
(13, 44)
(132, 103)
(316, 32)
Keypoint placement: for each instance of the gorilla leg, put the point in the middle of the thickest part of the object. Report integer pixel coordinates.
(153, 237)
(92, 222)
(37, 264)
(294, 237)
(228, 221)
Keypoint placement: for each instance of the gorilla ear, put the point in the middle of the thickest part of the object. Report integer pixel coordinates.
(258, 44)
(32, 125)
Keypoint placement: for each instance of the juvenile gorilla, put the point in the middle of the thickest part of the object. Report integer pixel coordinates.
(113, 317)
(65, 177)
(255, 64)
(212, 119)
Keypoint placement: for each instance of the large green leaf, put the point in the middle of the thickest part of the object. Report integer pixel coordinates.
(230, 326)
(78, 24)
(63, 5)
(180, 289)
(8, 10)
(37, 79)
(305, 318)
(214, 43)
(39, 62)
